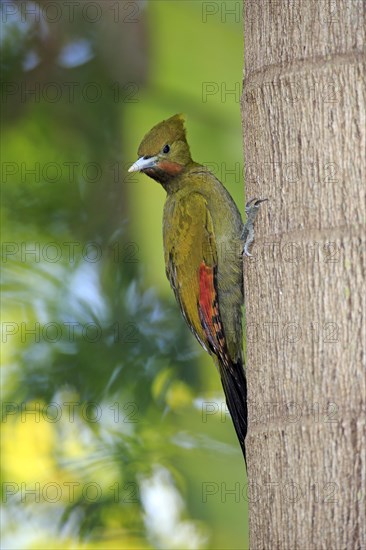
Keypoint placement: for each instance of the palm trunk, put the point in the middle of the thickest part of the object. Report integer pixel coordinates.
(304, 129)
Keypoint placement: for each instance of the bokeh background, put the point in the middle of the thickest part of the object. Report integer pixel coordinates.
(114, 428)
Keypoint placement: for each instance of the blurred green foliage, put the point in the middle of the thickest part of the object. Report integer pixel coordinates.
(118, 449)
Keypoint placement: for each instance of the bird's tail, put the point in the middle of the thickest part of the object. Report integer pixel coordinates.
(235, 387)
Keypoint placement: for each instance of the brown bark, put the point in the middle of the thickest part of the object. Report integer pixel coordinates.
(304, 128)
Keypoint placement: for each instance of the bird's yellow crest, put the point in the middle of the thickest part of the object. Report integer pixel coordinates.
(166, 132)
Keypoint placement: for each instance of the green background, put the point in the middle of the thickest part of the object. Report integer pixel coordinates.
(164, 475)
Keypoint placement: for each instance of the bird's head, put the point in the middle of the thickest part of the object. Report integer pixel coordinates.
(164, 151)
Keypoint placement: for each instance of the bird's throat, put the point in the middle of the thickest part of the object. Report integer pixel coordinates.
(165, 172)
(171, 168)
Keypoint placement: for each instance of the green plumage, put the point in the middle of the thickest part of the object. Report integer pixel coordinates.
(202, 230)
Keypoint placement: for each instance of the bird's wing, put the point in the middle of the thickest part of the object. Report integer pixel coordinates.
(191, 265)
(191, 258)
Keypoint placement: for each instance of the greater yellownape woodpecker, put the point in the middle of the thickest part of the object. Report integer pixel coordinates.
(204, 239)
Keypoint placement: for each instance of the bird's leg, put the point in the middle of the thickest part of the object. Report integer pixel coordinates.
(247, 236)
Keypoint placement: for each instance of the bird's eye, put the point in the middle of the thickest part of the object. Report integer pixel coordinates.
(166, 149)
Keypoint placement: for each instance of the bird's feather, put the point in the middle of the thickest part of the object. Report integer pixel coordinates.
(192, 264)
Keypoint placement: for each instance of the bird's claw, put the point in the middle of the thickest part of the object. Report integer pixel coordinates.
(251, 209)
(254, 203)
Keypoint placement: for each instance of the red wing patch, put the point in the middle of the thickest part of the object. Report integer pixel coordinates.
(209, 311)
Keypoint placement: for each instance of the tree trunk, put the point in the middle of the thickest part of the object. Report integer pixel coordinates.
(304, 128)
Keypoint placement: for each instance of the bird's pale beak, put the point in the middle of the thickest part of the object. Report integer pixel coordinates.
(142, 163)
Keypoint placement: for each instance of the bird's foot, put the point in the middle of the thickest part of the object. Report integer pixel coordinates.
(251, 210)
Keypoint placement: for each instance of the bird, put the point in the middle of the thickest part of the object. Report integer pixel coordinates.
(204, 240)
